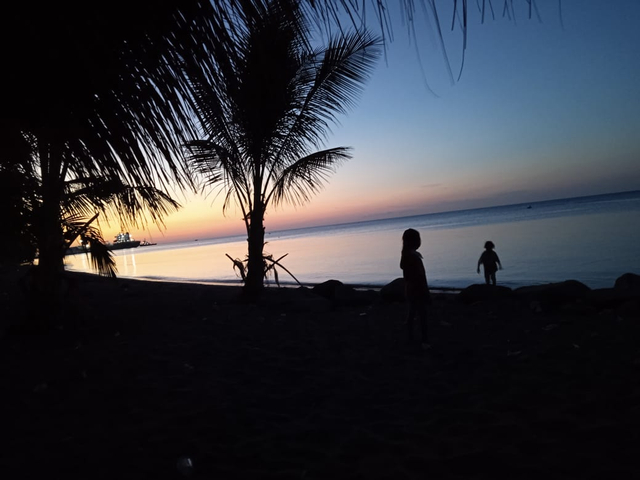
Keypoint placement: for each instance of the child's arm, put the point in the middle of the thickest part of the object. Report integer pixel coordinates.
(498, 262)
(479, 262)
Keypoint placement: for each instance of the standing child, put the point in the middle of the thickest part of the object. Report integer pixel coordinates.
(416, 287)
(490, 262)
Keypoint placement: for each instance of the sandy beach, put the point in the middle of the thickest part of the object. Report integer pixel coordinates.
(160, 380)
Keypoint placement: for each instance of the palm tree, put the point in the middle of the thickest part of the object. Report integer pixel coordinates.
(82, 200)
(267, 107)
(97, 93)
(85, 199)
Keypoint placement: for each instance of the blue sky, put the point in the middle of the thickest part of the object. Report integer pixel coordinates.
(542, 111)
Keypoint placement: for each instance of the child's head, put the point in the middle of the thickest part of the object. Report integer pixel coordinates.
(411, 239)
(489, 245)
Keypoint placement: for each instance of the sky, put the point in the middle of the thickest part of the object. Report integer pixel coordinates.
(542, 110)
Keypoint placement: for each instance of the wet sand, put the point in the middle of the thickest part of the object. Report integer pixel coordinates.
(160, 380)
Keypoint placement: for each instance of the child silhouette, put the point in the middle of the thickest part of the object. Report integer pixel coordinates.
(416, 287)
(490, 262)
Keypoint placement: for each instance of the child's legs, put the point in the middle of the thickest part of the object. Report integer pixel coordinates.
(422, 312)
(487, 277)
(493, 278)
(411, 313)
(417, 308)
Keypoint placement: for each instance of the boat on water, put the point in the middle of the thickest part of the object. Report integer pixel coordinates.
(144, 243)
(123, 240)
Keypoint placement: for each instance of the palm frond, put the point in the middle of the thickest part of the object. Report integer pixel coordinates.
(100, 256)
(278, 263)
(305, 177)
(346, 64)
(74, 227)
(131, 205)
(330, 80)
(118, 101)
(222, 171)
(328, 83)
(269, 267)
(238, 265)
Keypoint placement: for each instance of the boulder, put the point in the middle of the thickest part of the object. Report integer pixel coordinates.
(628, 281)
(481, 292)
(341, 294)
(554, 294)
(327, 289)
(610, 297)
(393, 291)
(629, 309)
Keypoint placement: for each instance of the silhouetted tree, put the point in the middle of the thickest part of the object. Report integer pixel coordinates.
(267, 107)
(98, 96)
(18, 197)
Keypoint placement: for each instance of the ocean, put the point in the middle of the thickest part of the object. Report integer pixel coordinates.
(592, 239)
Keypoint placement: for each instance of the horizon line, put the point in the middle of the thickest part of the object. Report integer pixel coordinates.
(324, 225)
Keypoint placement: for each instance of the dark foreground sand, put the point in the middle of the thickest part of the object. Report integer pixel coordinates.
(157, 380)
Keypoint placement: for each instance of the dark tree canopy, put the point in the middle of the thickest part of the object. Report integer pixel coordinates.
(102, 81)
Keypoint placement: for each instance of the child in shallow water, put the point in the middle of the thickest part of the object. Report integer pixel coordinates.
(490, 262)
(415, 280)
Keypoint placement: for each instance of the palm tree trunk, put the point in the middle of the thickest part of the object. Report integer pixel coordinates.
(48, 276)
(255, 266)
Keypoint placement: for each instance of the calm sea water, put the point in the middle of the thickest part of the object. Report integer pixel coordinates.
(591, 239)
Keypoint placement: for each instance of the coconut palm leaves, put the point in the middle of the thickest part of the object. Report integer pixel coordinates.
(116, 199)
(85, 199)
(75, 227)
(305, 177)
(267, 108)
